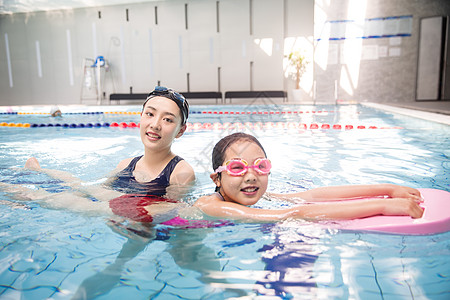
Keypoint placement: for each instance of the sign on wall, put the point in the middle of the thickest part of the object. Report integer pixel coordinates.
(386, 27)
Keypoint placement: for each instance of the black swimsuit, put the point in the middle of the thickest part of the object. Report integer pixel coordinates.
(125, 181)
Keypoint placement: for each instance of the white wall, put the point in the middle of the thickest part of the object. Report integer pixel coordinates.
(46, 49)
(382, 69)
(142, 53)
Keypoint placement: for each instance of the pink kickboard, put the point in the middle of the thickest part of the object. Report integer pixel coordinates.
(435, 219)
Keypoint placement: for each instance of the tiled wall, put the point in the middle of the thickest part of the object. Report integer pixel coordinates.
(227, 44)
(381, 69)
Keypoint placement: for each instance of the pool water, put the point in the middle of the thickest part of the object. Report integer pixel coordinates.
(60, 254)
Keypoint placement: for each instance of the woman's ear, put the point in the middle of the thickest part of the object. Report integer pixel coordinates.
(182, 130)
(215, 178)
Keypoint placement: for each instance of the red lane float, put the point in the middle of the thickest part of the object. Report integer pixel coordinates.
(278, 125)
(262, 112)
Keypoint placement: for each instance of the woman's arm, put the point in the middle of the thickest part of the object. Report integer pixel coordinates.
(356, 191)
(181, 181)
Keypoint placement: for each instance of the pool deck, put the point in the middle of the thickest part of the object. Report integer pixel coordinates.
(441, 116)
(440, 107)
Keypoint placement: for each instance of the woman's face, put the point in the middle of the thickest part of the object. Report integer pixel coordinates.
(248, 188)
(160, 123)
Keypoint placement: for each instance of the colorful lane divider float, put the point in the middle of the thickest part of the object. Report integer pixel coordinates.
(211, 126)
(214, 112)
(263, 112)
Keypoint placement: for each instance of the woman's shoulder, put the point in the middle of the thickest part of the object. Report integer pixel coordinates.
(124, 163)
(184, 165)
(183, 173)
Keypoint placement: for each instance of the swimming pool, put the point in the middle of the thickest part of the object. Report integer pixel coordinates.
(48, 253)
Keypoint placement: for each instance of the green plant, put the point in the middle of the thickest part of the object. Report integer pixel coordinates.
(298, 61)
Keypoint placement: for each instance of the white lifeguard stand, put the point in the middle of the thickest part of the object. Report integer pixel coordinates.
(94, 74)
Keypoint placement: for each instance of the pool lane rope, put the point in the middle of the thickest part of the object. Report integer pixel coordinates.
(209, 126)
(261, 112)
(214, 112)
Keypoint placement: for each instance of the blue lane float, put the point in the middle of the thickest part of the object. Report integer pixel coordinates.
(72, 125)
(8, 113)
(85, 113)
(47, 113)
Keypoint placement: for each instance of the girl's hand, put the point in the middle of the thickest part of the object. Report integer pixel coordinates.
(399, 191)
(402, 207)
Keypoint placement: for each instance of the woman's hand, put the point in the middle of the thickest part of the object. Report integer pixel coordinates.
(402, 207)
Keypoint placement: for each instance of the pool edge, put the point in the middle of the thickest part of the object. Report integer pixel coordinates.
(429, 116)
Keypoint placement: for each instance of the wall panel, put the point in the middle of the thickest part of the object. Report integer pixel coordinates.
(142, 74)
(20, 68)
(172, 44)
(235, 45)
(203, 50)
(268, 27)
(430, 58)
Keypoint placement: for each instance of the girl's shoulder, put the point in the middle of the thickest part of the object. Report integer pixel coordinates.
(206, 200)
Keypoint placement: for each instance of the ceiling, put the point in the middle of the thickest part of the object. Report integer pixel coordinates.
(24, 6)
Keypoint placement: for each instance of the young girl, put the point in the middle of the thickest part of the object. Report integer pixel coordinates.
(241, 172)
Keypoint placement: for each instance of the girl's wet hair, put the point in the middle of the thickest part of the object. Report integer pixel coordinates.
(218, 154)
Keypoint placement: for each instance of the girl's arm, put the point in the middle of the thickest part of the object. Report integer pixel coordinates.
(215, 207)
(324, 211)
(347, 210)
(356, 191)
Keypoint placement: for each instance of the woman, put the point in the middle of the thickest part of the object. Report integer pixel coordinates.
(163, 119)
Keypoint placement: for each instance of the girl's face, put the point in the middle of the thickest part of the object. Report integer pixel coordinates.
(160, 123)
(248, 188)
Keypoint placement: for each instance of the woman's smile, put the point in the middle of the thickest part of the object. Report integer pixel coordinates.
(153, 136)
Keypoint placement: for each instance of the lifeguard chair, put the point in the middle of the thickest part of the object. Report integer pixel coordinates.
(94, 75)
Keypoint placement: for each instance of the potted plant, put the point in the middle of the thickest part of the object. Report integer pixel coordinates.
(297, 61)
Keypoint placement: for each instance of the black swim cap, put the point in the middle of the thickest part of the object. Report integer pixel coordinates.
(183, 105)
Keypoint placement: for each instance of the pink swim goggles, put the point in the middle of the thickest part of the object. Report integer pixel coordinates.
(238, 167)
